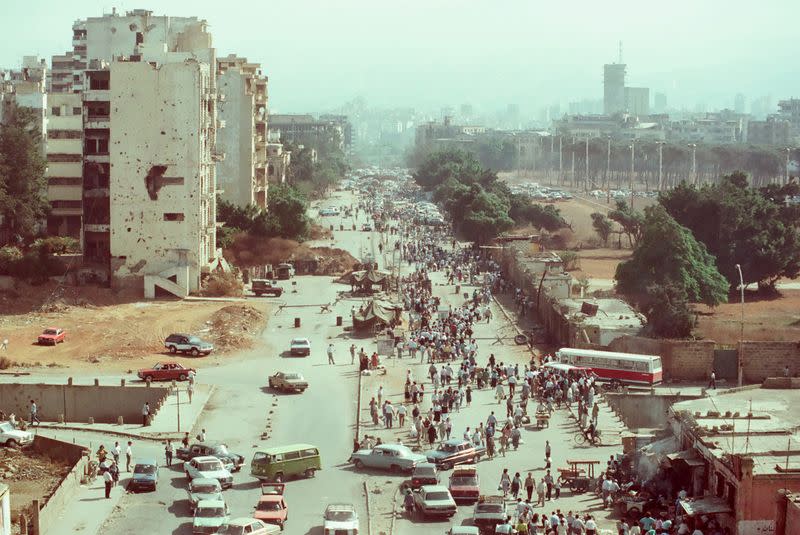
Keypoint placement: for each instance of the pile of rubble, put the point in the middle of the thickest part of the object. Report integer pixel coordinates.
(27, 465)
(235, 327)
(333, 261)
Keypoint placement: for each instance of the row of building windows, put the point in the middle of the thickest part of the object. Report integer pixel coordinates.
(64, 134)
(64, 158)
(65, 181)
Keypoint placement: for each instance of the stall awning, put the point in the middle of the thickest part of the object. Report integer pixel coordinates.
(690, 457)
(709, 505)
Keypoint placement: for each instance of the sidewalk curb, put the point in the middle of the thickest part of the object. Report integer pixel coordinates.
(369, 516)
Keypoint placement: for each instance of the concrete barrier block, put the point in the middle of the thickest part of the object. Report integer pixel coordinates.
(122, 382)
(61, 418)
(69, 381)
(97, 382)
(91, 420)
(120, 420)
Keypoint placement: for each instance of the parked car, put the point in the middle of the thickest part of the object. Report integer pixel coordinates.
(145, 476)
(208, 467)
(209, 516)
(203, 488)
(248, 526)
(464, 484)
(434, 500)
(165, 371)
(288, 381)
(280, 462)
(340, 519)
(271, 507)
(232, 461)
(488, 512)
(265, 287)
(394, 457)
(454, 451)
(184, 343)
(424, 474)
(12, 437)
(300, 347)
(52, 336)
(366, 227)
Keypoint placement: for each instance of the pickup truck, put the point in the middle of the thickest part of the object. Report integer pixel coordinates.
(455, 451)
(52, 336)
(265, 287)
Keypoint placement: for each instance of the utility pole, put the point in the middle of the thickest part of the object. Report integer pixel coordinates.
(693, 146)
(560, 162)
(633, 148)
(550, 158)
(608, 171)
(741, 327)
(586, 182)
(660, 163)
(533, 150)
(573, 167)
(788, 150)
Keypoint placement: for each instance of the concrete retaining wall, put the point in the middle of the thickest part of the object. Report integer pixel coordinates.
(643, 409)
(682, 360)
(78, 403)
(46, 521)
(768, 359)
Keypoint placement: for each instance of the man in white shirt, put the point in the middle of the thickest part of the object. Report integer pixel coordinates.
(108, 479)
(128, 456)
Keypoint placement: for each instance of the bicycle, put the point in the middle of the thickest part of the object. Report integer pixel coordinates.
(581, 439)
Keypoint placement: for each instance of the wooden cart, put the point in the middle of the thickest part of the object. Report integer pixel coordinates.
(579, 476)
(542, 419)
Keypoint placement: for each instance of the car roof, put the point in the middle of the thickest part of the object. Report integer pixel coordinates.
(340, 507)
(211, 503)
(425, 466)
(435, 488)
(271, 498)
(242, 521)
(469, 471)
(54, 328)
(209, 443)
(178, 334)
(300, 340)
(283, 449)
(455, 441)
(203, 481)
(204, 458)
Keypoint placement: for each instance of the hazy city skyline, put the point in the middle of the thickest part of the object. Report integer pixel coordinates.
(321, 54)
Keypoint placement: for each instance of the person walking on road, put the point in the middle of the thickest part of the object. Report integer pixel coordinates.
(190, 391)
(530, 483)
(330, 354)
(34, 413)
(401, 415)
(516, 483)
(116, 451)
(145, 413)
(548, 480)
(595, 413)
(352, 354)
(169, 451)
(128, 456)
(505, 482)
(108, 479)
(380, 395)
(541, 488)
(712, 382)
(388, 414)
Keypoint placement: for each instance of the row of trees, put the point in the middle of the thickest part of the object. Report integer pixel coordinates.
(285, 217)
(762, 164)
(480, 206)
(687, 247)
(318, 165)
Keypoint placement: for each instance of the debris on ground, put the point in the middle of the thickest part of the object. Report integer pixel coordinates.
(30, 475)
(235, 327)
(318, 232)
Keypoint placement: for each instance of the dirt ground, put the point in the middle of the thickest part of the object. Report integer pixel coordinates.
(30, 476)
(117, 330)
(776, 318)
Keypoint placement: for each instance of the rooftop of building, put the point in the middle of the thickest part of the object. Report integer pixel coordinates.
(769, 436)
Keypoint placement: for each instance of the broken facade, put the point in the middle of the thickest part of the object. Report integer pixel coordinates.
(64, 148)
(242, 171)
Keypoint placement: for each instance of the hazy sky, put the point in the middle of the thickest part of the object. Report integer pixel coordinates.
(431, 53)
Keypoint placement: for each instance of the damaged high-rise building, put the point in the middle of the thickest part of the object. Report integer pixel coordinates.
(144, 87)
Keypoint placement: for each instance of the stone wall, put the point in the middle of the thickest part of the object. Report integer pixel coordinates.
(78, 403)
(643, 410)
(46, 518)
(768, 359)
(682, 360)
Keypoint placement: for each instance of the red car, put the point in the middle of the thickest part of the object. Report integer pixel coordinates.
(271, 507)
(464, 485)
(165, 371)
(51, 336)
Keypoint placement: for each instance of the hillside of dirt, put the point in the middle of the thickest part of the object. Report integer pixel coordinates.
(249, 251)
(117, 330)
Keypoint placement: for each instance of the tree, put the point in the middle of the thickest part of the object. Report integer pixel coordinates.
(602, 226)
(287, 211)
(547, 217)
(741, 225)
(668, 263)
(630, 220)
(23, 203)
(438, 167)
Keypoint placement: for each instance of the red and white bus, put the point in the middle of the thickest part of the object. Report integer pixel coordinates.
(608, 365)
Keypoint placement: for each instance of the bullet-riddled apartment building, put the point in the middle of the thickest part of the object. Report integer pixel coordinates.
(149, 111)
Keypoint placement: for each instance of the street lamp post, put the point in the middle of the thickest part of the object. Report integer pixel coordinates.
(586, 182)
(741, 325)
(633, 148)
(693, 146)
(660, 163)
(788, 150)
(608, 171)
(560, 162)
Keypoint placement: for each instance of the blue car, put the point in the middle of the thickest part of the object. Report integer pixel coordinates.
(145, 476)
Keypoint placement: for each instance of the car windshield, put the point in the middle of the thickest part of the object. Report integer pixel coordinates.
(292, 376)
(210, 512)
(221, 449)
(269, 506)
(6, 427)
(447, 447)
(437, 496)
(340, 516)
(144, 469)
(195, 340)
(299, 342)
(464, 480)
(424, 471)
(208, 466)
(205, 488)
(50, 331)
(489, 508)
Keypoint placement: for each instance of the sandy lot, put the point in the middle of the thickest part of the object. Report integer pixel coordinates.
(777, 318)
(118, 336)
